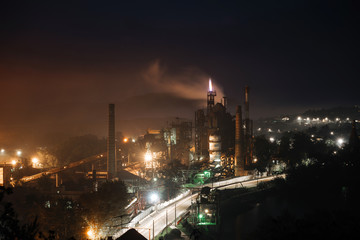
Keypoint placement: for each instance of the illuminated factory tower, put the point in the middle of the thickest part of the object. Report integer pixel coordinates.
(210, 97)
(111, 164)
(213, 137)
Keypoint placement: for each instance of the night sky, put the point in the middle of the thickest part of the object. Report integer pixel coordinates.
(62, 63)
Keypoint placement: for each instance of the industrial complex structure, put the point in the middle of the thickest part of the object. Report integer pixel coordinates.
(219, 140)
(111, 151)
(157, 164)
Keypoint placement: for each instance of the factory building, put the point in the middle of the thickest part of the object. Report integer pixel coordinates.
(178, 137)
(222, 140)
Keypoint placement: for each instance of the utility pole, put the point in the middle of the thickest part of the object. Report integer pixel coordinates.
(175, 215)
(166, 221)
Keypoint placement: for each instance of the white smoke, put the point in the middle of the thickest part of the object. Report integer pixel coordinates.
(190, 83)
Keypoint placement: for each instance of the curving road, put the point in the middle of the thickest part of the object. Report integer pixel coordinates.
(161, 218)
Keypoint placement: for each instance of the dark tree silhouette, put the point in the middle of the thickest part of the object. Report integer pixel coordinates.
(10, 227)
(263, 150)
(102, 206)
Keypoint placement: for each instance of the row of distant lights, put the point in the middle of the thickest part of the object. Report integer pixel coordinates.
(308, 120)
(318, 119)
(269, 130)
(34, 160)
(125, 140)
(18, 152)
(339, 141)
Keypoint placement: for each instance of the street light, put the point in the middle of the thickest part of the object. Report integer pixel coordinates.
(154, 197)
(91, 233)
(148, 156)
(19, 153)
(35, 161)
(340, 142)
(13, 162)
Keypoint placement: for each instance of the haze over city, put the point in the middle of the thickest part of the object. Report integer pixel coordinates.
(62, 63)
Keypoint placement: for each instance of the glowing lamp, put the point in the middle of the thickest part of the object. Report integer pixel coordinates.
(148, 156)
(91, 233)
(34, 160)
(154, 197)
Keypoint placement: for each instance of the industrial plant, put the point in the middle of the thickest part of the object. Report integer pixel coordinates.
(187, 162)
(226, 145)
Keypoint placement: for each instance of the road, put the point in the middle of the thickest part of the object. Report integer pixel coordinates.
(161, 218)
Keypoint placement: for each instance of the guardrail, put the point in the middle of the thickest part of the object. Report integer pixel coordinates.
(161, 206)
(228, 181)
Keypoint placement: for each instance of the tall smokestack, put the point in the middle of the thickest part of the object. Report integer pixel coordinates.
(239, 163)
(111, 164)
(247, 137)
(247, 115)
(225, 102)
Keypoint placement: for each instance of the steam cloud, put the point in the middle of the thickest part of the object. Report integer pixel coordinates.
(191, 83)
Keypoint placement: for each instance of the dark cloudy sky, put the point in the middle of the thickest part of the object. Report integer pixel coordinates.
(62, 62)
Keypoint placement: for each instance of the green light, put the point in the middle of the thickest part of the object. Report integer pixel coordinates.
(207, 173)
(206, 223)
(201, 216)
